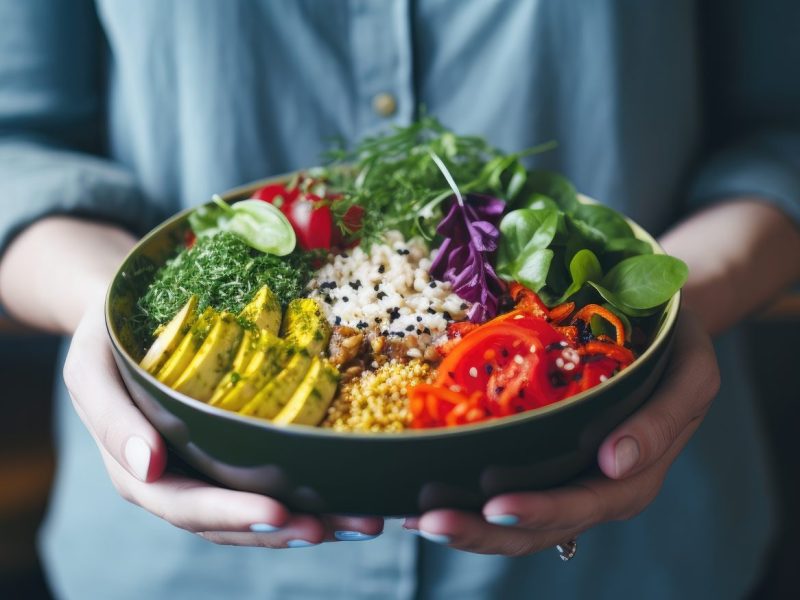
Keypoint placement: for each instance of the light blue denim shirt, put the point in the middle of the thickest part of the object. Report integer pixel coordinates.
(127, 111)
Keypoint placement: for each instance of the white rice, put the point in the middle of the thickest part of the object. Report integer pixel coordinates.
(388, 292)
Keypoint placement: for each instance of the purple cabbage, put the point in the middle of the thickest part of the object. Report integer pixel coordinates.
(470, 237)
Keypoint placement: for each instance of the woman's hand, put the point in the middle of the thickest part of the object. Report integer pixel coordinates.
(634, 460)
(135, 458)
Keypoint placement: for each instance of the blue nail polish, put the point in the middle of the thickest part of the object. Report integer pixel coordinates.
(439, 538)
(506, 520)
(263, 528)
(353, 536)
(298, 544)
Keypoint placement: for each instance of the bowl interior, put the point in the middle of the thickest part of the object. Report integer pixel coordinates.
(138, 268)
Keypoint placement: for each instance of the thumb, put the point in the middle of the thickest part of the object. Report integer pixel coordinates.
(674, 411)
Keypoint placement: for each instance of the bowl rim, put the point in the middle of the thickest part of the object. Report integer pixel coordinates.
(668, 322)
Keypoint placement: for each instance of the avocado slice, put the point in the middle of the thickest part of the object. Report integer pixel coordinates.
(190, 344)
(311, 399)
(212, 360)
(169, 337)
(263, 311)
(305, 325)
(247, 348)
(270, 399)
(271, 356)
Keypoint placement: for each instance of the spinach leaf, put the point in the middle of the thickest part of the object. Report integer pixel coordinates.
(553, 185)
(629, 246)
(583, 267)
(614, 300)
(532, 267)
(646, 281)
(603, 219)
(538, 201)
(524, 230)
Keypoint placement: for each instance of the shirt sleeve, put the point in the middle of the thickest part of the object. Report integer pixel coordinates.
(752, 97)
(51, 121)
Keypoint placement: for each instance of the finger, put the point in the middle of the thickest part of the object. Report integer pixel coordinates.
(352, 529)
(689, 385)
(301, 531)
(471, 533)
(198, 506)
(584, 503)
(103, 404)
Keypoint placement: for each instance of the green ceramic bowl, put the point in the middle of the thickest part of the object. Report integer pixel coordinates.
(318, 470)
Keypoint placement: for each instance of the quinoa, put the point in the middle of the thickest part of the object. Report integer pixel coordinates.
(377, 400)
(388, 292)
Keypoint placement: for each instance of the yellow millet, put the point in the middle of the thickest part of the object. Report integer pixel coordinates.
(377, 400)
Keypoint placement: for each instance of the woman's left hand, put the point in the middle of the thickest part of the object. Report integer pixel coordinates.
(634, 460)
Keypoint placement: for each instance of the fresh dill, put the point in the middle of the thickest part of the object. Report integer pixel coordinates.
(393, 179)
(224, 272)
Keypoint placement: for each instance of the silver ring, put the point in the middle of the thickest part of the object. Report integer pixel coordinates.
(568, 550)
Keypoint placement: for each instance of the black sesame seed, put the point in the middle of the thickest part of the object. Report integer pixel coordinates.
(355, 284)
(384, 333)
(361, 325)
(381, 295)
(419, 319)
(394, 314)
(345, 299)
(432, 284)
(427, 330)
(328, 299)
(463, 306)
(376, 287)
(399, 334)
(431, 311)
(499, 390)
(410, 328)
(447, 316)
(337, 320)
(403, 251)
(381, 269)
(378, 319)
(488, 369)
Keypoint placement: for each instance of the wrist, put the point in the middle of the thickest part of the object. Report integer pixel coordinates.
(57, 267)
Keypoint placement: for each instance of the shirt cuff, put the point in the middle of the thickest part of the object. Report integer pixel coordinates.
(37, 180)
(766, 166)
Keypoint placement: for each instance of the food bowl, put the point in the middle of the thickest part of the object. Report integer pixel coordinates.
(317, 470)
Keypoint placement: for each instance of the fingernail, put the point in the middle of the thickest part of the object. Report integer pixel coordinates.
(263, 528)
(137, 455)
(439, 538)
(626, 455)
(505, 520)
(353, 536)
(298, 544)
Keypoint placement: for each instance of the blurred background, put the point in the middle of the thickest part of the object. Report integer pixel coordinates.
(27, 462)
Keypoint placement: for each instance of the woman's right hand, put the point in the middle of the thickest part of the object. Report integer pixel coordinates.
(135, 458)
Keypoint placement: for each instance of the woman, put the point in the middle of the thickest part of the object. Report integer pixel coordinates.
(116, 114)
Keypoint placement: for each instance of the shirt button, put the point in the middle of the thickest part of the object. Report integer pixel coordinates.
(384, 104)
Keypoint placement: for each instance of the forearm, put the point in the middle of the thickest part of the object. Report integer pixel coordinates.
(52, 270)
(740, 255)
